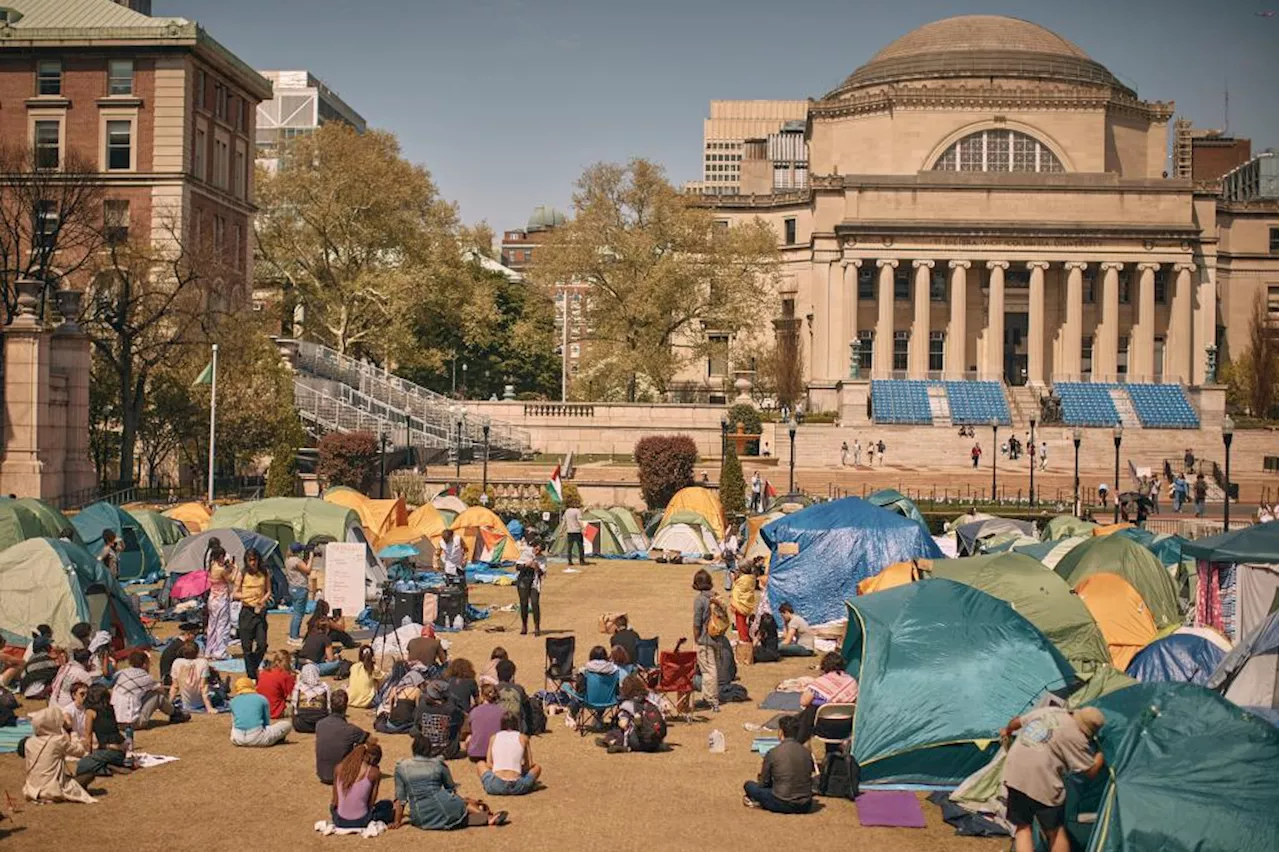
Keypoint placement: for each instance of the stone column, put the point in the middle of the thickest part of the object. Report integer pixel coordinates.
(1204, 327)
(882, 358)
(849, 293)
(69, 353)
(1142, 339)
(1073, 325)
(995, 320)
(956, 330)
(26, 398)
(1035, 324)
(820, 369)
(1106, 343)
(1179, 358)
(835, 321)
(918, 351)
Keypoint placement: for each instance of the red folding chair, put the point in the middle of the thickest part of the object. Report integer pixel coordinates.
(676, 669)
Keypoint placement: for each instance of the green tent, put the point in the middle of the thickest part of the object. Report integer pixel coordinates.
(894, 501)
(52, 521)
(1167, 548)
(290, 519)
(1117, 554)
(60, 583)
(1186, 770)
(1038, 595)
(1063, 526)
(941, 667)
(17, 524)
(630, 528)
(1050, 553)
(603, 541)
(140, 559)
(1259, 543)
(164, 532)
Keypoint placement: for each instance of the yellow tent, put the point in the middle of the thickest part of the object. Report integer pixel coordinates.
(755, 544)
(378, 517)
(484, 536)
(702, 501)
(897, 574)
(193, 516)
(1121, 613)
(425, 522)
(1112, 528)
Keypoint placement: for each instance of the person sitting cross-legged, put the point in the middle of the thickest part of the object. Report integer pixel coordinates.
(251, 723)
(355, 802)
(786, 775)
(508, 768)
(335, 737)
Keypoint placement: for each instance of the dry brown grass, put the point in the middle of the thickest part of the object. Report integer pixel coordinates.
(218, 796)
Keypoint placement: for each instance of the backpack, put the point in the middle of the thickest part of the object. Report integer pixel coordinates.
(539, 715)
(649, 728)
(509, 698)
(839, 776)
(718, 622)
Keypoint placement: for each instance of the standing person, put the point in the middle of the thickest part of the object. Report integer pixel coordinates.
(1103, 490)
(1201, 493)
(508, 768)
(797, 637)
(530, 570)
(757, 489)
(975, 454)
(785, 785)
(1154, 491)
(426, 795)
(355, 801)
(1044, 455)
(1180, 489)
(335, 737)
(136, 696)
(871, 453)
(253, 590)
(710, 621)
(109, 556)
(729, 555)
(573, 530)
(222, 578)
(297, 571)
(451, 556)
(844, 453)
(743, 603)
(1188, 460)
(857, 453)
(1053, 743)
(251, 723)
(880, 450)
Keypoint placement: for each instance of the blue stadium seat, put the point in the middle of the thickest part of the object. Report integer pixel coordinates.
(975, 403)
(1162, 407)
(900, 401)
(1087, 403)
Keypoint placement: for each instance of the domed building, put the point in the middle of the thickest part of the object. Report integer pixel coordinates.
(986, 201)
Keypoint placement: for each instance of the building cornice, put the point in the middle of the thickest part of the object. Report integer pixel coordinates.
(1043, 97)
(885, 233)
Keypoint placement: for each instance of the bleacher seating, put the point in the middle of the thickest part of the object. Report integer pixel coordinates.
(975, 403)
(900, 401)
(1087, 403)
(1162, 407)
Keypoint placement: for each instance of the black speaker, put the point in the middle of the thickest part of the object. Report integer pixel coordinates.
(406, 604)
(452, 603)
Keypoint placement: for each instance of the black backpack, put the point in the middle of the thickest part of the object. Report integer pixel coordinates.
(649, 727)
(839, 776)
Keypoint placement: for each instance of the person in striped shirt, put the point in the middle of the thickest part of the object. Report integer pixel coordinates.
(834, 686)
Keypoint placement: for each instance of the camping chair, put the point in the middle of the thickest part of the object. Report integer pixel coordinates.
(559, 660)
(834, 718)
(646, 653)
(601, 697)
(676, 669)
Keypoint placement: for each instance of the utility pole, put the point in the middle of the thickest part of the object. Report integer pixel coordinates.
(564, 346)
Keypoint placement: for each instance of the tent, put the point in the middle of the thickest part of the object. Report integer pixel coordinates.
(1121, 555)
(969, 536)
(894, 501)
(897, 574)
(821, 553)
(378, 517)
(1182, 657)
(967, 518)
(52, 521)
(449, 503)
(686, 533)
(701, 501)
(1050, 553)
(484, 536)
(163, 532)
(60, 583)
(1186, 772)
(18, 524)
(755, 545)
(631, 532)
(422, 529)
(601, 537)
(1120, 612)
(189, 555)
(194, 516)
(941, 667)
(1005, 542)
(1259, 543)
(1247, 675)
(1167, 548)
(1064, 526)
(1111, 529)
(140, 558)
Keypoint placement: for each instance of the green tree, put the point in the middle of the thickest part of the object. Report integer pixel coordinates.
(661, 272)
(348, 458)
(282, 475)
(1260, 354)
(733, 487)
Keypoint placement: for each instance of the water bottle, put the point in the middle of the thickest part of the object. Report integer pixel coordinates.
(457, 622)
(715, 742)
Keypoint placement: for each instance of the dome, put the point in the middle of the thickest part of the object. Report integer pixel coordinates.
(980, 46)
(544, 217)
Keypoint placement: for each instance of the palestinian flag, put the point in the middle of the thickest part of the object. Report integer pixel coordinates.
(769, 490)
(554, 488)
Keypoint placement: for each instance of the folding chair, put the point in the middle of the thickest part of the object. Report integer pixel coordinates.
(646, 653)
(601, 697)
(676, 669)
(559, 660)
(833, 724)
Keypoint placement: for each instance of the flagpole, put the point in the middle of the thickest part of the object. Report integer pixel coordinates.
(213, 417)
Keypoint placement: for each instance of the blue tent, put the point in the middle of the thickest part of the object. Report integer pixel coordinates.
(190, 554)
(821, 553)
(1167, 548)
(1181, 657)
(139, 559)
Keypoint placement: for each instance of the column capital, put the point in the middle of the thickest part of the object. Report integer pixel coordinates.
(997, 264)
(1042, 265)
(889, 262)
(1148, 266)
(1184, 267)
(959, 264)
(1075, 264)
(922, 264)
(855, 262)
(1111, 266)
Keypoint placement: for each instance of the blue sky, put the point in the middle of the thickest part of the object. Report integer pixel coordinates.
(506, 101)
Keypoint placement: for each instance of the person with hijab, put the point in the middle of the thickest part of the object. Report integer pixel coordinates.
(310, 699)
(253, 590)
(222, 577)
(251, 723)
(46, 754)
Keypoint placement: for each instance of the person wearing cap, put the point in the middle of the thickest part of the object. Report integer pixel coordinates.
(42, 631)
(335, 737)
(1052, 742)
(251, 723)
(297, 571)
(187, 632)
(439, 719)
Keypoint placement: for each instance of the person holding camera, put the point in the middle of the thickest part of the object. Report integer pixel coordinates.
(297, 572)
(531, 568)
(222, 579)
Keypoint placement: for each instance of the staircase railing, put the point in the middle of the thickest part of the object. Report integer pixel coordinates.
(352, 411)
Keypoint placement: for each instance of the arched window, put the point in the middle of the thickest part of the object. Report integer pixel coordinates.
(998, 150)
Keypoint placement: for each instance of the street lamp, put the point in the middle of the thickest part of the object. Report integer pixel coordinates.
(791, 430)
(1031, 456)
(995, 451)
(464, 379)
(485, 425)
(1228, 431)
(724, 436)
(382, 464)
(1118, 434)
(1075, 439)
(459, 417)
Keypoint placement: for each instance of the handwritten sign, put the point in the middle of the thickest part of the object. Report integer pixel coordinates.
(344, 577)
(788, 548)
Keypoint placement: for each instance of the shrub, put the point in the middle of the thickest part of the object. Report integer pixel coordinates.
(471, 495)
(572, 497)
(749, 417)
(348, 458)
(666, 465)
(733, 488)
(282, 476)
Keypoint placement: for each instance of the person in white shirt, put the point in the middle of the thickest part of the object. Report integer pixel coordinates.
(450, 555)
(573, 530)
(729, 554)
(757, 489)
(1044, 455)
(136, 696)
(857, 453)
(797, 636)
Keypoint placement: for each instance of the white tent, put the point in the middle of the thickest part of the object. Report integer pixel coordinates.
(686, 539)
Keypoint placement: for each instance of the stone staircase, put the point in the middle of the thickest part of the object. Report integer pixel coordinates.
(1124, 408)
(1024, 403)
(939, 406)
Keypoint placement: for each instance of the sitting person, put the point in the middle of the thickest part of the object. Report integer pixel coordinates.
(484, 720)
(103, 666)
(276, 682)
(834, 686)
(310, 700)
(438, 720)
(46, 753)
(10, 665)
(187, 632)
(40, 669)
(635, 731)
(490, 673)
(73, 672)
(598, 662)
(463, 689)
(337, 622)
(251, 723)
(797, 636)
(508, 768)
(619, 657)
(355, 801)
(362, 687)
(42, 631)
(136, 695)
(512, 696)
(335, 737)
(624, 637)
(785, 785)
(105, 748)
(767, 647)
(426, 795)
(317, 649)
(396, 712)
(427, 651)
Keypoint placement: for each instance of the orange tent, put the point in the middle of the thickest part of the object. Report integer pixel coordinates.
(1121, 613)
(484, 536)
(378, 517)
(1112, 528)
(193, 516)
(421, 529)
(897, 574)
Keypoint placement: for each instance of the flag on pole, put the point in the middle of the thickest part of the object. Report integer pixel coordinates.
(769, 490)
(206, 375)
(554, 488)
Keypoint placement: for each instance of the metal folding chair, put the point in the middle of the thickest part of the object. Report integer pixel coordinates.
(646, 653)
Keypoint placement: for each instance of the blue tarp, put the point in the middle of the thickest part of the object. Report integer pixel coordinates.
(821, 553)
(1180, 657)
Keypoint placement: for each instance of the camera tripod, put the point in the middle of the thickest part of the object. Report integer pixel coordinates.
(386, 622)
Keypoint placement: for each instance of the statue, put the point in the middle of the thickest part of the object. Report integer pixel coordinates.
(1211, 365)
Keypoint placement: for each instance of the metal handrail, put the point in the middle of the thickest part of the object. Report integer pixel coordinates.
(344, 413)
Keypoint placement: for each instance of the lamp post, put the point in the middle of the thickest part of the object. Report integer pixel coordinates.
(459, 415)
(464, 379)
(1118, 434)
(1075, 440)
(382, 464)
(1228, 431)
(995, 451)
(485, 425)
(791, 430)
(1031, 457)
(724, 437)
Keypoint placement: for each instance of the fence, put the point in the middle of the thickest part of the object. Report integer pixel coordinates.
(121, 493)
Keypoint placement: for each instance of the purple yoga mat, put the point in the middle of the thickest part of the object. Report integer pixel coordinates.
(896, 808)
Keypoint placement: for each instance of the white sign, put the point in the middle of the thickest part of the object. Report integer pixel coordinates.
(344, 577)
